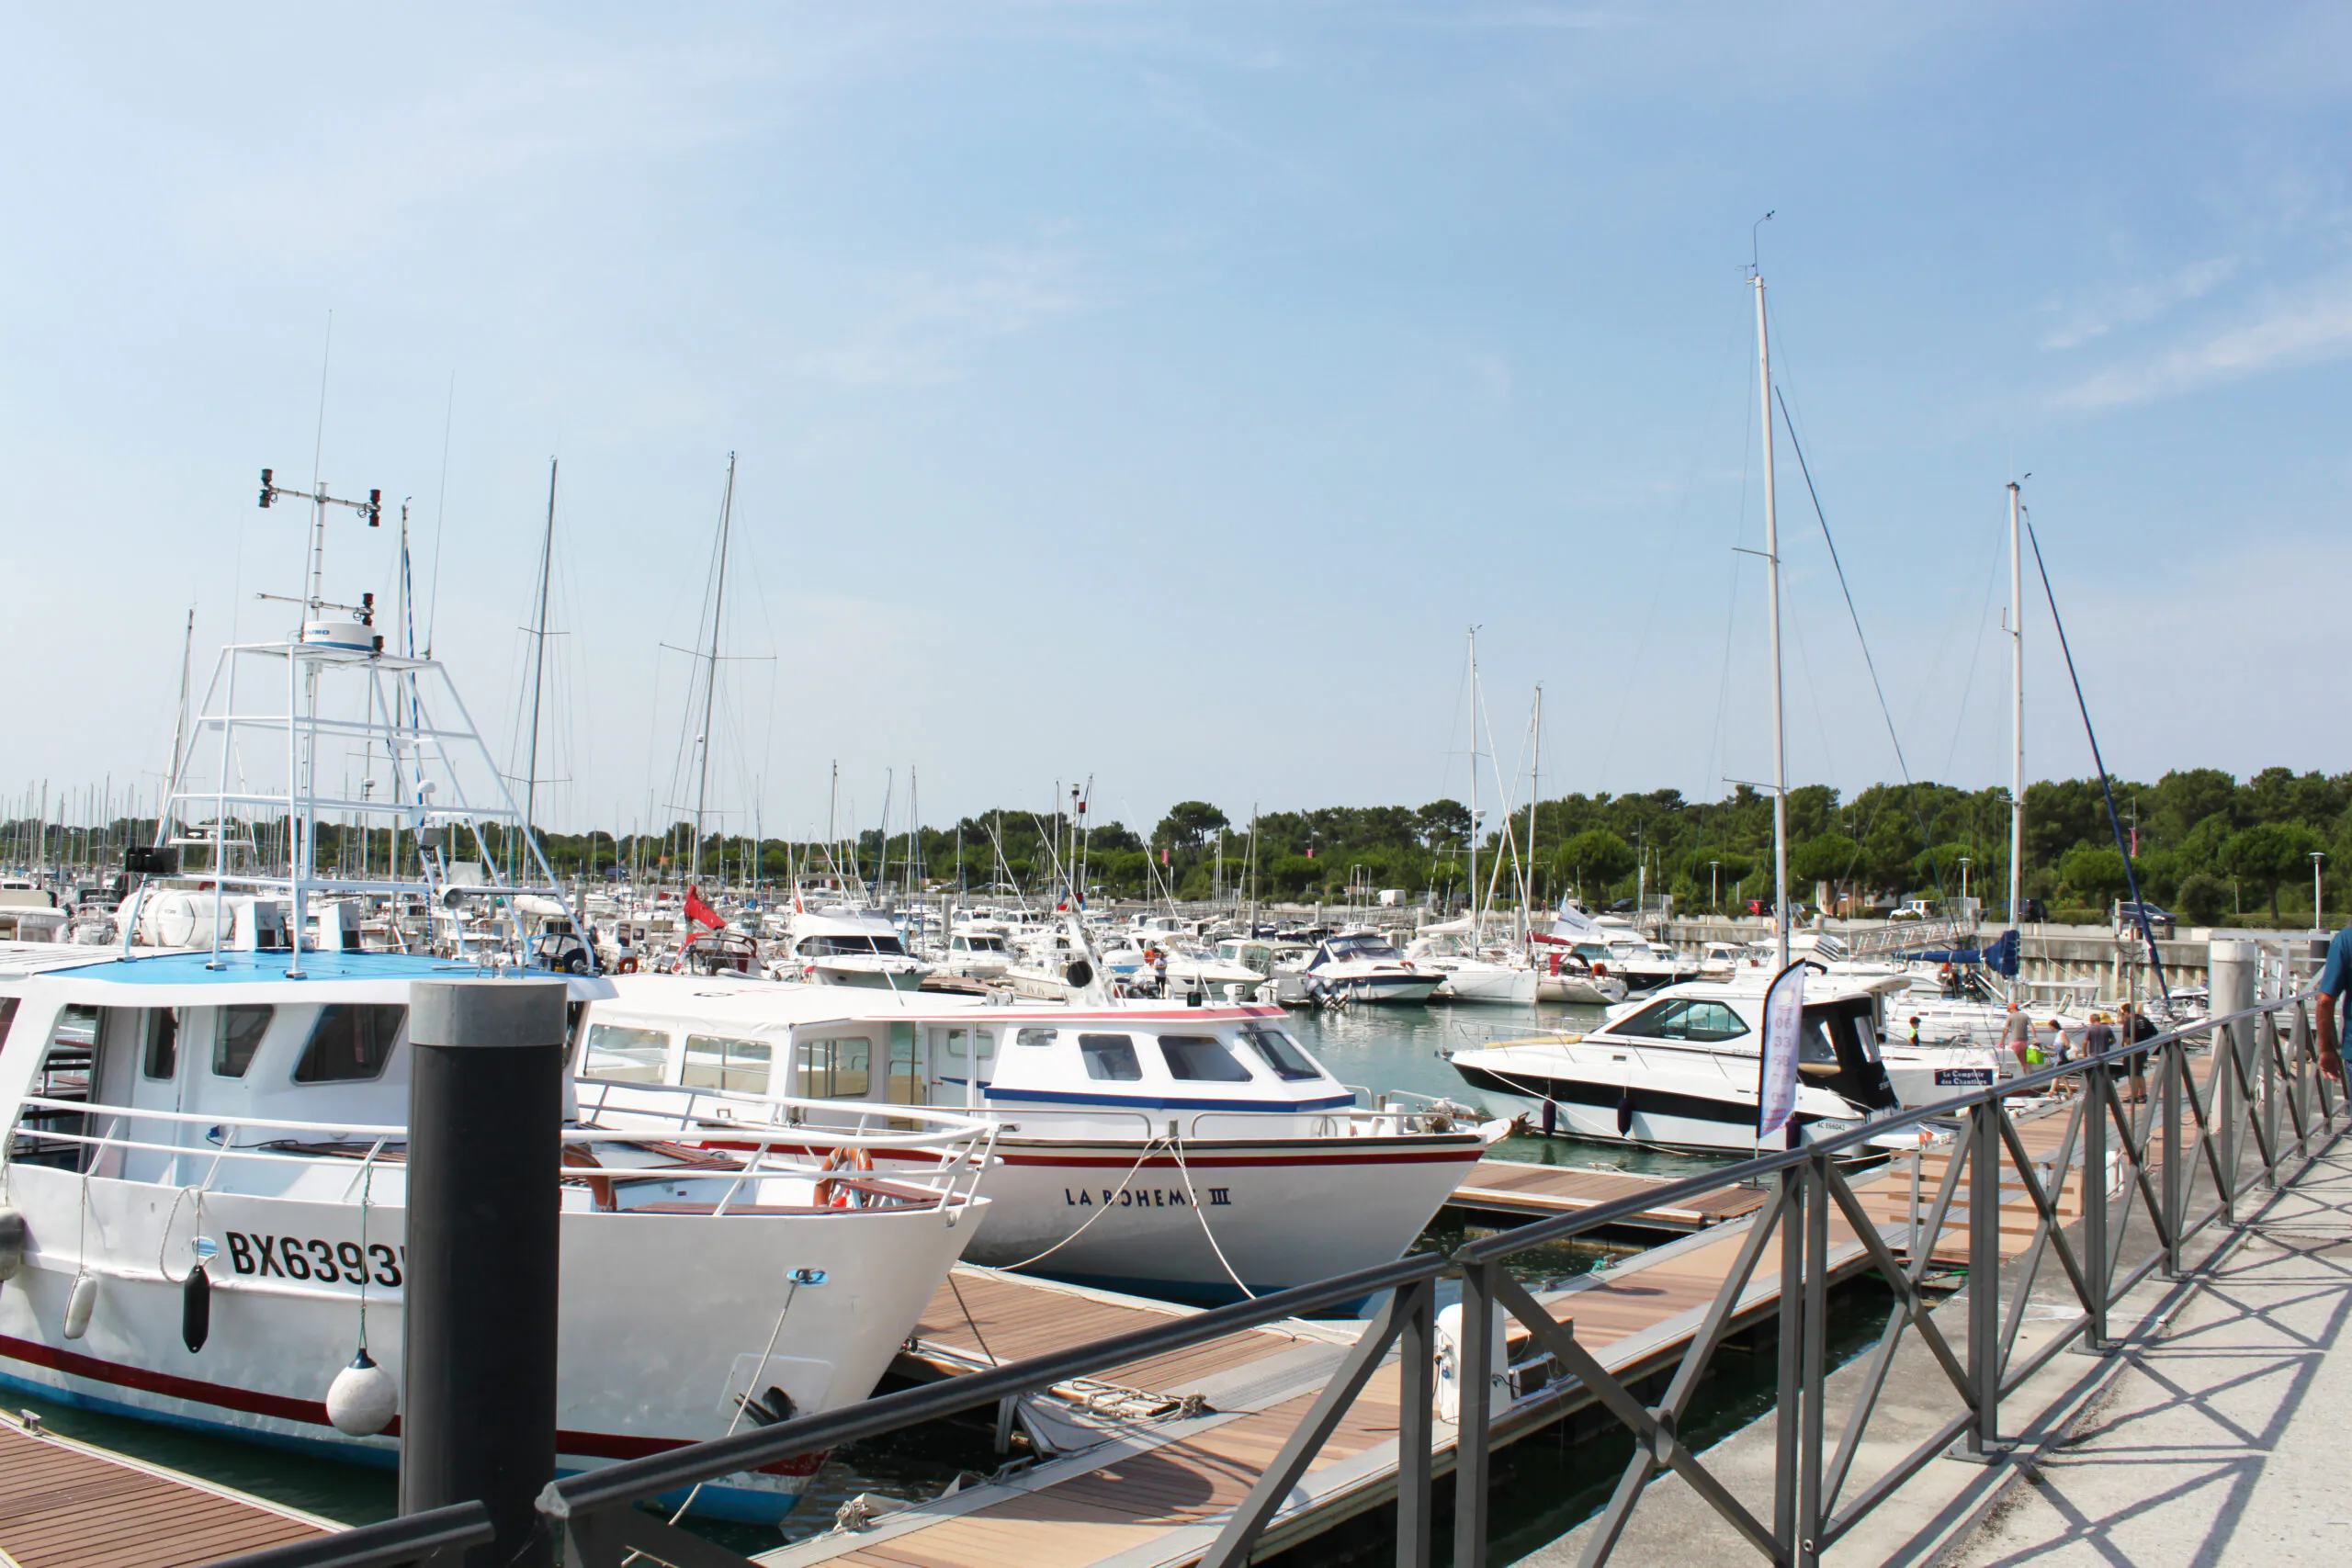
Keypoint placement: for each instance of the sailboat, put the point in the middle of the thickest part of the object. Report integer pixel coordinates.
(1679, 1070)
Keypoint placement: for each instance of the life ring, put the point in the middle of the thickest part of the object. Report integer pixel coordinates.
(836, 1193)
(626, 965)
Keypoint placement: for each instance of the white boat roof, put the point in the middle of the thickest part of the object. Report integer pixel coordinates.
(747, 1002)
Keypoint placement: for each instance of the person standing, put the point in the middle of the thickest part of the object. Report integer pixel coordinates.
(2098, 1037)
(2017, 1035)
(2335, 980)
(2137, 1028)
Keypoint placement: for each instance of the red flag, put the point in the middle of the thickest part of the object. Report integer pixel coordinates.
(702, 913)
(1163, 855)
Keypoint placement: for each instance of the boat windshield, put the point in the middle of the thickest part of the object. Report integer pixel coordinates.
(1359, 948)
(1698, 1021)
(1281, 1054)
(1201, 1058)
(853, 946)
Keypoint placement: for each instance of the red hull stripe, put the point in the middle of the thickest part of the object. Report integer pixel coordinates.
(1246, 1163)
(593, 1445)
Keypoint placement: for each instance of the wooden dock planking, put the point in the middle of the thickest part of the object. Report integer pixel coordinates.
(68, 1505)
(1153, 1496)
(1514, 1187)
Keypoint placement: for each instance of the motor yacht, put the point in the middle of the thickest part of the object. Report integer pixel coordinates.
(1188, 1152)
(842, 944)
(1361, 966)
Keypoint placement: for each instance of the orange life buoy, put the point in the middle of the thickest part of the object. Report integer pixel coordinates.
(836, 1193)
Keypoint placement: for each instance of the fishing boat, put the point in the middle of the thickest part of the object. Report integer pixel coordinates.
(203, 1153)
(1189, 1152)
(207, 1160)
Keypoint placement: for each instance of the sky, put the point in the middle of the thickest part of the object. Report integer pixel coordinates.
(1158, 394)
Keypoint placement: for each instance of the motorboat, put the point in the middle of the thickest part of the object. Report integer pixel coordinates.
(1680, 1070)
(1606, 947)
(1361, 966)
(976, 954)
(842, 944)
(1472, 973)
(203, 1115)
(1187, 1152)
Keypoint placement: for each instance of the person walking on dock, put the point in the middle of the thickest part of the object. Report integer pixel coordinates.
(2017, 1035)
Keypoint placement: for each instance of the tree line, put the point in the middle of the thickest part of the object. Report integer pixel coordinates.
(2201, 841)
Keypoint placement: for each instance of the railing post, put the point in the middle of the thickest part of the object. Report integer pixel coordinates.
(1472, 1375)
(1786, 1430)
(2231, 976)
(2299, 1092)
(1985, 1277)
(2266, 1054)
(1415, 1372)
(1817, 1359)
(2094, 1181)
(2175, 1063)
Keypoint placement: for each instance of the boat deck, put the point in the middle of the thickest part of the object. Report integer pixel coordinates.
(1525, 1190)
(68, 1505)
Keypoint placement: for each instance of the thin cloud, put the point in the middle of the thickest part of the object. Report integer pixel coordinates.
(2309, 330)
(940, 320)
(2141, 303)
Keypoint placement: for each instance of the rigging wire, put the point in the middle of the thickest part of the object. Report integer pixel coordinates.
(2106, 787)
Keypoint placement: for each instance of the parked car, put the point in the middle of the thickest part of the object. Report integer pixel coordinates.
(2127, 915)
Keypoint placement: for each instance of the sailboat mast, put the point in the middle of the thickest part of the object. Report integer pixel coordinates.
(1772, 571)
(711, 686)
(2017, 715)
(539, 658)
(1534, 793)
(1473, 784)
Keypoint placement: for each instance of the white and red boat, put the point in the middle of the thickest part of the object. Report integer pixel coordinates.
(1188, 1152)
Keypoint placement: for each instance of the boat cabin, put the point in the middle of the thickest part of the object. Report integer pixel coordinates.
(1051, 1072)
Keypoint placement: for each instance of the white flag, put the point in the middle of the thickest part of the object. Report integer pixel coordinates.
(1776, 1092)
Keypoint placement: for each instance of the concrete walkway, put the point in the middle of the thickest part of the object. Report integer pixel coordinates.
(2227, 1438)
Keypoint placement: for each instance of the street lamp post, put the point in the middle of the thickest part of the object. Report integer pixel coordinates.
(2317, 856)
(1714, 889)
(1963, 879)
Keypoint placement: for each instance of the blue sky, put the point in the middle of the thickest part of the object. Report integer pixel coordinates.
(1157, 392)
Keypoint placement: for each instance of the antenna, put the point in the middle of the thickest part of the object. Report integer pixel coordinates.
(1755, 244)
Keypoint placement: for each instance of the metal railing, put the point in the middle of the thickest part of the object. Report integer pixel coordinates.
(2260, 1088)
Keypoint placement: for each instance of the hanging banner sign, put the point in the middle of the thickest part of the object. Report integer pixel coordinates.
(1776, 1090)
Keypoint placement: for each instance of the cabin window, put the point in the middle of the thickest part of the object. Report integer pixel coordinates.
(1109, 1057)
(237, 1032)
(737, 1065)
(1281, 1054)
(1035, 1037)
(1201, 1058)
(160, 1058)
(836, 1069)
(982, 1042)
(350, 1043)
(625, 1055)
(1702, 1023)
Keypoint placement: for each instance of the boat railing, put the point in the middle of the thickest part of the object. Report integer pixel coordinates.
(757, 1153)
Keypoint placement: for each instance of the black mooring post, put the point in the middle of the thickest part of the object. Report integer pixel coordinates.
(485, 1129)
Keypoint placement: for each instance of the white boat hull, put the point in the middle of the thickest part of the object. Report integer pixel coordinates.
(1498, 983)
(1123, 1216)
(661, 1318)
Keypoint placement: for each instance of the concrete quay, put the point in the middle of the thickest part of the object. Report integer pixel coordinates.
(2210, 1434)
